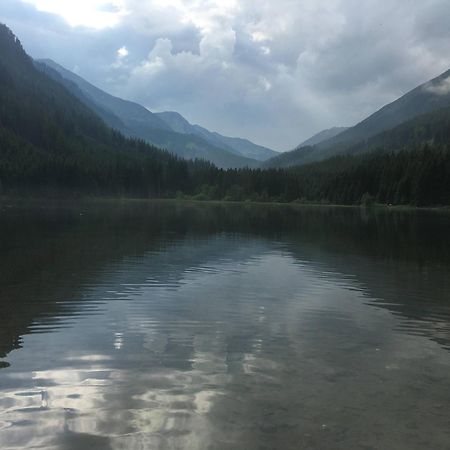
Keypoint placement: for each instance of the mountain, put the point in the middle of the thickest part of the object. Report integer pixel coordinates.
(431, 129)
(134, 120)
(245, 147)
(238, 146)
(322, 136)
(297, 157)
(131, 114)
(428, 129)
(176, 122)
(51, 141)
(425, 99)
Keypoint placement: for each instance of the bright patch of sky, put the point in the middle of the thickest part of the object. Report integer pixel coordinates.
(95, 14)
(122, 52)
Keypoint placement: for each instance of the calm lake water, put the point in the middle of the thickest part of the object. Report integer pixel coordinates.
(162, 325)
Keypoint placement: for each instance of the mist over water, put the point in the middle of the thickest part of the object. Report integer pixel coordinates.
(170, 325)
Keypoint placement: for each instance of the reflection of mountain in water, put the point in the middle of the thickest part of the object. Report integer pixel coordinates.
(160, 325)
(400, 262)
(54, 257)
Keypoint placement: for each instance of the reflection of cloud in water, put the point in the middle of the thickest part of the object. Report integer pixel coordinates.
(246, 345)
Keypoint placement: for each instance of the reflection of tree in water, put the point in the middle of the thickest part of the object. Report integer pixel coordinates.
(43, 245)
(262, 373)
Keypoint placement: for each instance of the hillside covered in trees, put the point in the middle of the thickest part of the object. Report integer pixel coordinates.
(416, 117)
(167, 130)
(52, 142)
(432, 128)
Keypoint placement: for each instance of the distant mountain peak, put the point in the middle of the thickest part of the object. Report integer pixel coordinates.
(412, 117)
(175, 121)
(427, 97)
(139, 121)
(134, 120)
(236, 145)
(322, 136)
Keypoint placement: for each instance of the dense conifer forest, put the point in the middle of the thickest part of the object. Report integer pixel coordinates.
(50, 142)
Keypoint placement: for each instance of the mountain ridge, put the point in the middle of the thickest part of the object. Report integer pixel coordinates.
(51, 141)
(420, 100)
(176, 134)
(426, 98)
(322, 136)
(237, 145)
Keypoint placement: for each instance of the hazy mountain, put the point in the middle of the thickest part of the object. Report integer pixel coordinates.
(432, 128)
(176, 122)
(134, 120)
(297, 157)
(179, 124)
(428, 97)
(189, 146)
(238, 146)
(52, 141)
(108, 117)
(304, 151)
(247, 148)
(374, 131)
(322, 136)
(132, 114)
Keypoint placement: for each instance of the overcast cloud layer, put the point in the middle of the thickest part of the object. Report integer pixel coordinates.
(272, 71)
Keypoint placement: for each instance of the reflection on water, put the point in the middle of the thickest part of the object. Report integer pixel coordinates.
(161, 325)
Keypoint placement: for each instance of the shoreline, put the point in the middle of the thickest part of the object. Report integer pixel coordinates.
(22, 199)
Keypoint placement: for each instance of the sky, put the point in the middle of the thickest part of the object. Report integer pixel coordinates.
(273, 71)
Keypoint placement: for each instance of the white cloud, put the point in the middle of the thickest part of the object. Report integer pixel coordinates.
(275, 72)
(259, 36)
(122, 52)
(440, 88)
(96, 14)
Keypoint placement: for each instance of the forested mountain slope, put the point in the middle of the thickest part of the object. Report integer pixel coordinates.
(239, 146)
(134, 120)
(52, 142)
(431, 128)
(426, 98)
(49, 139)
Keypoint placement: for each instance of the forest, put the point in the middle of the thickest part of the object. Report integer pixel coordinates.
(51, 143)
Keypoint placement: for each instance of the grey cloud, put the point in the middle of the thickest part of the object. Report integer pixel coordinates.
(274, 72)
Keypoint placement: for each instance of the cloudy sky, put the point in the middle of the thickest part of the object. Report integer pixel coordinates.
(274, 71)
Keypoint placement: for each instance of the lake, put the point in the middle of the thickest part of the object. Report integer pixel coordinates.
(140, 325)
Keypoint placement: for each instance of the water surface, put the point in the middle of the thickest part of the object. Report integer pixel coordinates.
(162, 325)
